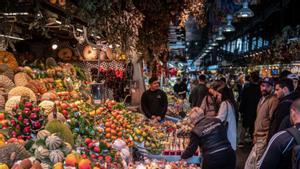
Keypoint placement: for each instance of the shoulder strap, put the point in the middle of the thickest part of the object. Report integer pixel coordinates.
(295, 133)
(226, 111)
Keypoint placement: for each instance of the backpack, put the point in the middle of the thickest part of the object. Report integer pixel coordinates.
(296, 148)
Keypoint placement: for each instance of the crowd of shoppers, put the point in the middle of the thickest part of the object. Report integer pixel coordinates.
(265, 107)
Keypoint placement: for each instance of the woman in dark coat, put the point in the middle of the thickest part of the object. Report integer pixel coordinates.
(210, 134)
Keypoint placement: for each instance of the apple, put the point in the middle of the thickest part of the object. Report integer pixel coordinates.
(91, 145)
(88, 141)
(93, 156)
(33, 116)
(13, 122)
(36, 109)
(26, 122)
(96, 149)
(20, 118)
(83, 156)
(100, 158)
(26, 130)
(28, 104)
(107, 159)
(37, 125)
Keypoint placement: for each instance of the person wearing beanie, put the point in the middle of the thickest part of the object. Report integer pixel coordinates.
(154, 101)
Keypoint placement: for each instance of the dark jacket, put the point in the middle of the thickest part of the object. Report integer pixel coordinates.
(278, 152)
(154, 103)
(250, 97)
(176, 88)
(210, 135)
(180, 89)
(282, 110)
(197, 95)
(285, 123)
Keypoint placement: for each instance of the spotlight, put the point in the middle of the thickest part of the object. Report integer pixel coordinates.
(54, 45)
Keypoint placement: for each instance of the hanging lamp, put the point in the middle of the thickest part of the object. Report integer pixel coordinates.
(245, 12)
(220, 35)
(229, 27)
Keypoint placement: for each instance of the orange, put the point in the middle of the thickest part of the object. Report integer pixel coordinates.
(113, 132)
(84, 164)
(107, 124)
(107, 135)
(113, 137)
(107, 130)
(113, 126)
(71, 160)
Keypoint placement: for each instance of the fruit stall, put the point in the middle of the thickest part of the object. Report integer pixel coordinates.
(48, 120)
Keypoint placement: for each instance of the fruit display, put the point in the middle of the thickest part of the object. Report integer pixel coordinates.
(12, 152)
(21, 79)
(27, 120)
(51, 122)
(22, 91)
(28, 163)
(12, 103)
(177, 107)
(50, 148)
(6, 84)
(7, 58)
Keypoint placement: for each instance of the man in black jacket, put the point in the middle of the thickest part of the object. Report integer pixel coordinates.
(249, 99)
(211, 136)
(154, 101)
(199, 92)
(279, 151)
(284, 92)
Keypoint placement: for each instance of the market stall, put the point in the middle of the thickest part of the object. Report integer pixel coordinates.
(49, 120)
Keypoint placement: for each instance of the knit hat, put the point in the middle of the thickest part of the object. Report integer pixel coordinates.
(268, 80)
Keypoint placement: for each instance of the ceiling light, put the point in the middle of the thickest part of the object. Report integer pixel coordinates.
(213, 42)
(54, 44)
(110, 46)
(245, 12)
(229, 27)
(220, 35)
(210, 47)
(11, 37)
